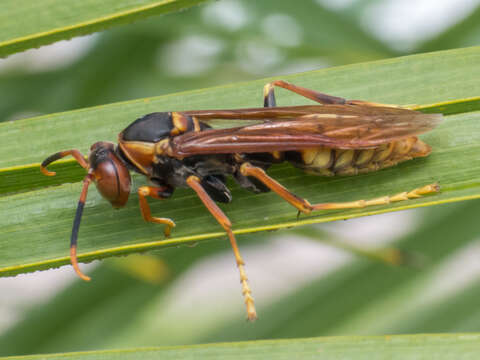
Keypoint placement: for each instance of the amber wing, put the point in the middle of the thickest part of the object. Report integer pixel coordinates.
(300, 127)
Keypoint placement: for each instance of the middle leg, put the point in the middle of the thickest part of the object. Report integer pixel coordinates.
(195, 183)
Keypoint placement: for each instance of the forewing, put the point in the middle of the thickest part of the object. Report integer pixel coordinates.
(334, 126)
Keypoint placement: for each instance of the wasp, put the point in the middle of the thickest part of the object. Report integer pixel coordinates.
(181, 149)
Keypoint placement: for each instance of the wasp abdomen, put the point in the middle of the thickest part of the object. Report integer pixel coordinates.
(329, 162)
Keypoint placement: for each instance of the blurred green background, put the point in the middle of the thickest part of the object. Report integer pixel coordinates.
(303, 287)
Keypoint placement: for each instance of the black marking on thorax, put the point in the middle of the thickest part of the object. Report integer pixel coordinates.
(150, 128)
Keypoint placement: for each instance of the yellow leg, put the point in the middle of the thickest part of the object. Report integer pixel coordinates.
(218, 214)
(384, 200)
(305, 207)
(151, 191)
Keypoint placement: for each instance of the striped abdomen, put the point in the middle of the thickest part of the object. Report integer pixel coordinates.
(329, 162)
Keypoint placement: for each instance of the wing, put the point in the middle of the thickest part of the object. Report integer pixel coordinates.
(300, 127)
(271, 114)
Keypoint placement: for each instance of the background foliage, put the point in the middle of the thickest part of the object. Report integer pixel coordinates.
(197, 48)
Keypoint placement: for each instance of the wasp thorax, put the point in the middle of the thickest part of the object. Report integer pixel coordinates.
(111, 175)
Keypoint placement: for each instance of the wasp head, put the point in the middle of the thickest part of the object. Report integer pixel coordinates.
(110, 174)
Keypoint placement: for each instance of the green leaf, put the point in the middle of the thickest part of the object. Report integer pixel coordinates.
(362, 297)
(35, 225)
(444, 346)
(52, 20)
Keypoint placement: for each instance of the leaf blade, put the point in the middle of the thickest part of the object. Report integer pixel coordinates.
(61, 22)
(47, 214)
(444, 346)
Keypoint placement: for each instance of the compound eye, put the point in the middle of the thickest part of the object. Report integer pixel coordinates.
(113, 180)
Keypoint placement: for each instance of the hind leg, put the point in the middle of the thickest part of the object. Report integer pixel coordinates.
(305, 207)
(269, 94)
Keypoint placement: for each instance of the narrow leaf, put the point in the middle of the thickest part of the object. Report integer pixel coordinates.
(35, 225)
(48, 21)
(445, 346)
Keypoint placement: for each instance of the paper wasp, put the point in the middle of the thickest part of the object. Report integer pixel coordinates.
(180, 149)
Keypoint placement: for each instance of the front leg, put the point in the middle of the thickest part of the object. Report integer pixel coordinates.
(156, 193)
